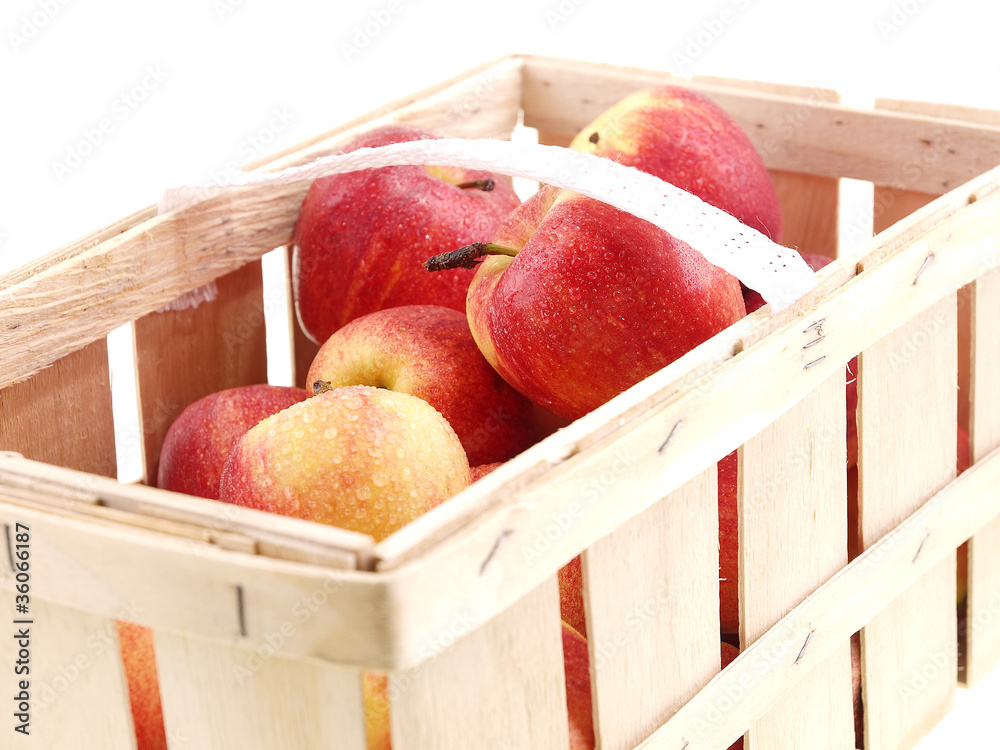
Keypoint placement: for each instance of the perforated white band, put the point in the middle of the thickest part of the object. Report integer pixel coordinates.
(778, 273)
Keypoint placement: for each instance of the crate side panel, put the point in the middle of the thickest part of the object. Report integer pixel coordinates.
(792, 538)
(62, 415)
(501, 685)
(216, 695)
(983, 623)
(76, 683)
(184, 354)
(907, 412)
(652, 592)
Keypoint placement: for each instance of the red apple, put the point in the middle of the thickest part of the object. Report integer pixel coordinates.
(729, 560)
(361, 458)
(428, 351)
(576, 664)
(570, 579)
(480, 471)
(585, 300)
(375, 694)
(686, 139)
(139, 663)
(199, 439)
(361, 237)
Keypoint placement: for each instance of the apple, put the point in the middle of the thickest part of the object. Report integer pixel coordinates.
(362, 458)
(361, 237)
(570, 580)
(199, 439)
(729, 561)
(576, 665)
(139, 663)
(686, 139)
(375, 695)
(428, 351)
(480, 471)
(577, 301)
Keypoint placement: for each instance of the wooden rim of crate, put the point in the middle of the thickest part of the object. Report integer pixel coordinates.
(250, 567)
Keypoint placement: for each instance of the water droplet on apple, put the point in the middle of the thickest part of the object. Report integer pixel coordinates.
(363, 493)
(330, 433)
(379, 479)
(401, 453)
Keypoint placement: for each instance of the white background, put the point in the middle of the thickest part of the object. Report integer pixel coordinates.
(106, 102)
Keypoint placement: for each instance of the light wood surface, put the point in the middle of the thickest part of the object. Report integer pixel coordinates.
(500, 686)
(75, 677)
(792, 538)
(256, 699)
(907, 416)
(223, 338)
(983, 610)
(652, 592)
(63, 414)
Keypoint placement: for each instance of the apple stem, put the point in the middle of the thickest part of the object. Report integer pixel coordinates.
(485, 184)
(322, 386)
(467, 256)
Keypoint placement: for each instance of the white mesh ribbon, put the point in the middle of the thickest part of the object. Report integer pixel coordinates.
(778, 273)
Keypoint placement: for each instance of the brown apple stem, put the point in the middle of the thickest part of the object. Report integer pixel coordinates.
(466, 257)
(485, 184)
(321, 386)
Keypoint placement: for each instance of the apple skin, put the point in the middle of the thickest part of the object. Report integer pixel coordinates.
(595, 301)
(480, 471)
(729, 561)
(139, 662)
(428, 351)
(361, 458)
(686, 139)
(375, 694)
(199, 440)
(362, 237)
(570, 580)
(576, 665)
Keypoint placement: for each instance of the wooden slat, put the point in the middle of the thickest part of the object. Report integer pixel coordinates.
(217, 696)
(184, 354)
(983, 609)
(793, 537)
(500, 686)
(907, 415)
(75, 678)
(771, 667)
(63, 414)
(651, 593)
(561, 96)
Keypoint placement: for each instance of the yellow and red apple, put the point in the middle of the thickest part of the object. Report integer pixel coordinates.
(428, 351)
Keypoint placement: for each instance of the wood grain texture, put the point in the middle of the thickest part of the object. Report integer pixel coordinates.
(75, 680)
(792, 538)
(651, 593)
(907, 416)
(983, 609)
(217, 696)
(182, 355)
(771, 666)
(499, 686)
(63, 414)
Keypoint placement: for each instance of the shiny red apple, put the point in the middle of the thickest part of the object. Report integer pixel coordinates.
(686, 139)
(577, 301)
(361, 237)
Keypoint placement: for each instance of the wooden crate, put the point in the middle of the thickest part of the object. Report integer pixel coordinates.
(264, 624)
